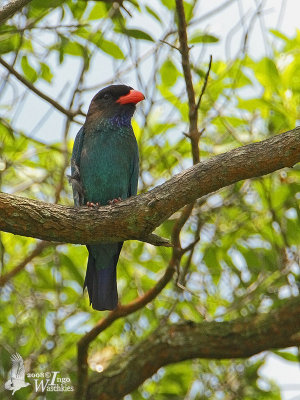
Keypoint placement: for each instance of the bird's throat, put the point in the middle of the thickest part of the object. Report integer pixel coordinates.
(120, 120)
(98, 120)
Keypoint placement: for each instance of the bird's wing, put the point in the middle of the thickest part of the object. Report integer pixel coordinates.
(75, 168)
(18, 370)
(75, 160)
(133, 184)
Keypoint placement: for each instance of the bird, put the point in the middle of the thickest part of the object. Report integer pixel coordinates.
(105, 170)
(17, 374)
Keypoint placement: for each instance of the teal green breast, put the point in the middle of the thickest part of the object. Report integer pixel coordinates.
(106, 163)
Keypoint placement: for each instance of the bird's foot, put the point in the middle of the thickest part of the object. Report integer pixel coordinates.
(91, 204)
(114, 201)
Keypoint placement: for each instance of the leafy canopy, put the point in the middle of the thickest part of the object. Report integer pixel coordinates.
(247, 258)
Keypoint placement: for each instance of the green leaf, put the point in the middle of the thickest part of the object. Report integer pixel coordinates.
(267, 74)
(290, 75)
(107, 46)
(293, 232)
(181, 106)
(170, 4)
(286, 355)
(250, 104)
(46, 4)
(111, 48)
(203, 38)
(29, 72)
(280, 35)
(9, 42)
(138, 34)
(211, 260)
(153, 13)
(66, 261)
(169, 73)
(78, 8)
(6, 132)
(188, 10)
(98, 11)
(73, 48)
(84, 33)
(46, 73)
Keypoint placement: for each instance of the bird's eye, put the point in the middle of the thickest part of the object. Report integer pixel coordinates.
(106, 96)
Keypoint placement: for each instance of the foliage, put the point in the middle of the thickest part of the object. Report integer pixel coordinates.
(247, 258)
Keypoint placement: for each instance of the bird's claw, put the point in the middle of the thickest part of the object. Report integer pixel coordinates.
(91, 204)
(114, 201)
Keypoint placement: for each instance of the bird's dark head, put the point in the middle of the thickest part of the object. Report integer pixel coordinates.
(115, 103)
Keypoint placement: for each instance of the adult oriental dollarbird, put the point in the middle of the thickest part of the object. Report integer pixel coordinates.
(104, 170)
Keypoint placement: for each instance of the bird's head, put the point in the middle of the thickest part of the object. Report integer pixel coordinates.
(116, 103)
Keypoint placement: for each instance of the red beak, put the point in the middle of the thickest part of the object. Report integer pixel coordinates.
(134, 96)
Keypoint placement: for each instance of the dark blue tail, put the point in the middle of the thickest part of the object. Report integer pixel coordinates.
(101, 275)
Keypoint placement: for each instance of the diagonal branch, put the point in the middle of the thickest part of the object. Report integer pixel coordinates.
(193, 134)
(35, 90)
(204, 83)
(138, 216)
(120, 312)
(35, 252)
(238, 338)
(10, 9)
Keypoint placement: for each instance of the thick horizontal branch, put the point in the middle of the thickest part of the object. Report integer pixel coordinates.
(239, 338)
(10, 9)
(137, 217)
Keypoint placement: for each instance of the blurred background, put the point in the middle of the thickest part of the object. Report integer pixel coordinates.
(244, 257)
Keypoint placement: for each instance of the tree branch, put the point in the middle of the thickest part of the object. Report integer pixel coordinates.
(185, 60)
(204, 83)
(35, 252)
(69, 114)
(10, 9)
(239, 338)
(138, 216)
(193, 134)
(120, 312)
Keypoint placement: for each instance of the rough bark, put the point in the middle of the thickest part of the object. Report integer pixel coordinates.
(239, 338)
(137, 217)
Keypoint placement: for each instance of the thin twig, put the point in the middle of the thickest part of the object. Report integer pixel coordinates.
(170, 44)
(184, 216)
(204, 84)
